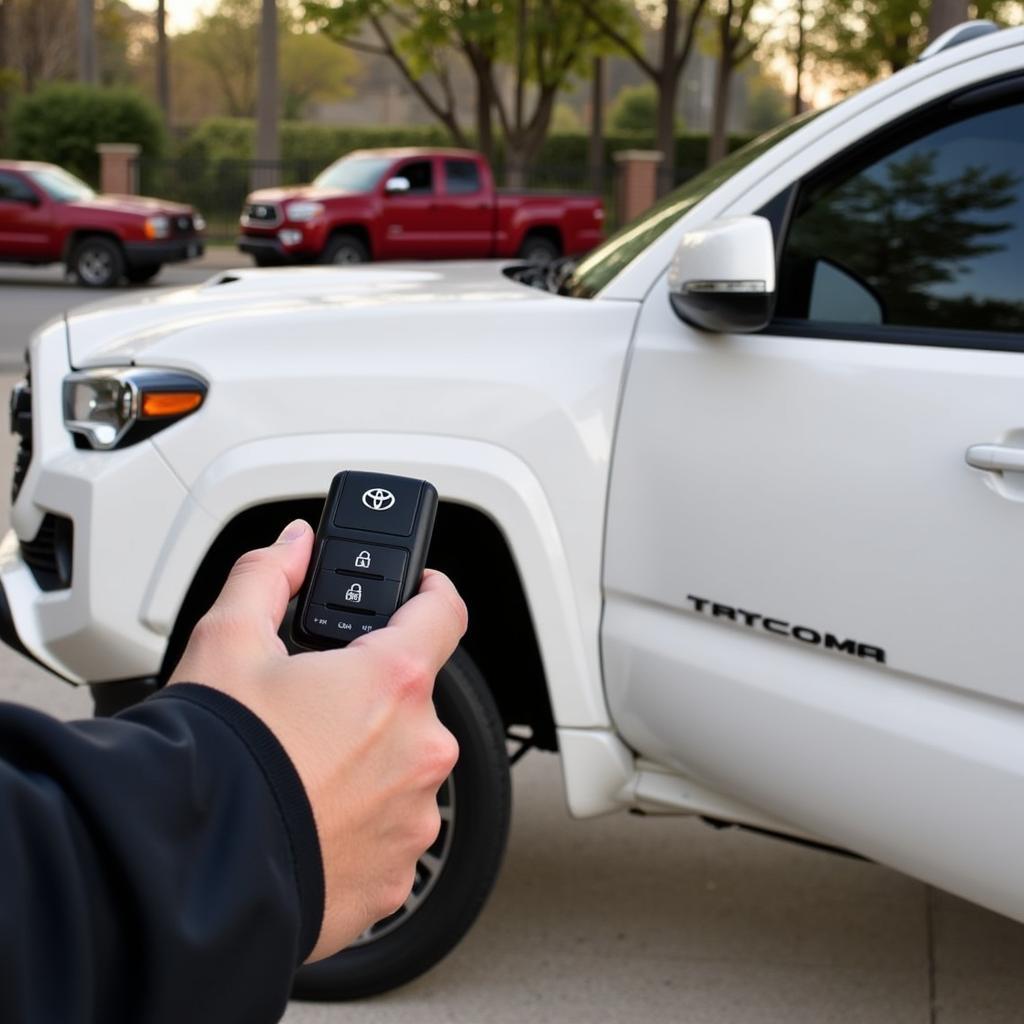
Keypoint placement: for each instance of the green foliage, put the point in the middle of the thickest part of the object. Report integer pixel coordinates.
(768, 105)
(635, 110)
(64, 123)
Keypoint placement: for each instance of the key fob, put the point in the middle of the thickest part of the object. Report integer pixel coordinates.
(368, 556)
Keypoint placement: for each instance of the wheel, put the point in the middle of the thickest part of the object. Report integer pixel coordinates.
(97, 262)
(140, 275)
(539, 249)
(345, 250)
(454, 877)
(265, 261)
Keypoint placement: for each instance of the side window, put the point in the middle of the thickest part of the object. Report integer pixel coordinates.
(929, 235)
(13, 189)
(421, 177)
(461, 177)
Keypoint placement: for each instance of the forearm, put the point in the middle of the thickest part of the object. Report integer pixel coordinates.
(159, 866)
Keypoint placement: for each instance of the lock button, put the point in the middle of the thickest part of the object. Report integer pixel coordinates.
(338, 590)
(345, 555)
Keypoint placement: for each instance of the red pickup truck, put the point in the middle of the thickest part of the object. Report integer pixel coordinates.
(48, 216)
(386, 204)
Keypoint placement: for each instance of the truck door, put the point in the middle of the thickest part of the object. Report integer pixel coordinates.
(24, 220)
(813, 601)
(411, 218)
(465, 211)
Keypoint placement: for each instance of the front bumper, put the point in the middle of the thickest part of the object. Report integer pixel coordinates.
(89, 624)
(173, 250)
(266, 249)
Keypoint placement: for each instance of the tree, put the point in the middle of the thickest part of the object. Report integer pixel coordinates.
(677, 31)
(537, 44)
(88, 70)
(268, 114)
(737, 39)
(163, 74)
(216, 66)
(944, 15)
(859, 39)
(635, 111)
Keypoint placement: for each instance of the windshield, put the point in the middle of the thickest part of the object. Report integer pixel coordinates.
(597, 269)
(354, 173)
(60, 185)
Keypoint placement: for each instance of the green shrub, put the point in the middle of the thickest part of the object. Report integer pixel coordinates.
(63, 123)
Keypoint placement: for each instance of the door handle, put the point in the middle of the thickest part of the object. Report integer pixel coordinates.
(996, 458)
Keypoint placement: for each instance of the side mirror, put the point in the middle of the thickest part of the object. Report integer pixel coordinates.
(722, 277)
(397, 185)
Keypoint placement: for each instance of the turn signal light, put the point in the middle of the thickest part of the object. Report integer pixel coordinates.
(169, 403)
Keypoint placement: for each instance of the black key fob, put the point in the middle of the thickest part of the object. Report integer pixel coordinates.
(368, 557)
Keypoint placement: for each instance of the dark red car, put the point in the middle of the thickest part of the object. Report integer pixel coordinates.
(388, 204)
(48, 216)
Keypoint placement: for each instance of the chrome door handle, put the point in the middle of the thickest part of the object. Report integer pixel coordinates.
(996, 458)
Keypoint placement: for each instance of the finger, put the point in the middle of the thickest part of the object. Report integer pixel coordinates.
(262, 582)
(428, 625)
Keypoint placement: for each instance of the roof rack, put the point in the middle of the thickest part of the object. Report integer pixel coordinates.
(958, 34)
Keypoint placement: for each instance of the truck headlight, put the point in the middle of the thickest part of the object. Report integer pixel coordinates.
(198, 221)
(302, 211)
(158, 227)
(110, 408)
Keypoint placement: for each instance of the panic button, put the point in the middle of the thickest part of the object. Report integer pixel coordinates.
(378, 503)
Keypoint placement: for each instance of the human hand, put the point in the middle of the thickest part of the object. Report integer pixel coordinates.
(358, 723)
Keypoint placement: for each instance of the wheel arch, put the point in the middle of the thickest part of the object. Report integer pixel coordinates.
(550, 232)
(469, 547)
(80, 234)
(359, 231)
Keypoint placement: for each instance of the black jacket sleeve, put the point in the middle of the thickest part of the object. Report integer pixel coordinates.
(157, 867)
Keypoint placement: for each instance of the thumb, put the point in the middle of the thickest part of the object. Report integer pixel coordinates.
(262, 581)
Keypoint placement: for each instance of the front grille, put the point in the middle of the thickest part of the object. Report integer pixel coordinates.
(21, 424)
(260, 215)
(181, 224)
(48, 554)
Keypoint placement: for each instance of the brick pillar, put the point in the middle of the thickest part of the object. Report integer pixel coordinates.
(117, 167)
(636, 182)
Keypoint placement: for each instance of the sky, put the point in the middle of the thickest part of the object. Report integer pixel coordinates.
(181, 14)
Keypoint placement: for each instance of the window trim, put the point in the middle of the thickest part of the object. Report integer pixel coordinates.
(781, 208)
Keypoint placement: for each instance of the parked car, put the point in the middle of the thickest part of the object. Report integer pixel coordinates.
(48, 216)
(388, 204)
(735, 505)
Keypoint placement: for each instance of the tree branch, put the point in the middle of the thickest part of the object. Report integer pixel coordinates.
(691, 28)
(617, 37)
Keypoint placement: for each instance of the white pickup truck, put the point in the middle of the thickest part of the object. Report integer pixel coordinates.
(736, 503)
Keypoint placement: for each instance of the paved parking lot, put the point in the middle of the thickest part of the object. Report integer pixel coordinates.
(660, 919)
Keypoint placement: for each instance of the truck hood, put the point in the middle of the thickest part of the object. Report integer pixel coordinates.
(283, 194)
(119, 332)
(141, 206)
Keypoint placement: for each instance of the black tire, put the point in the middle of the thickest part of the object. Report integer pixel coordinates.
(140, 275)
(345, 251)
(97, 262)
(265, 261)
(539, 249)
(410, 943)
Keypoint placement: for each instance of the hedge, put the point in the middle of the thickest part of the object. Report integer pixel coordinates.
(63, 123)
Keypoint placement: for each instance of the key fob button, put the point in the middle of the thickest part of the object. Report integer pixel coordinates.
(376, 561)
(341, 626)
(356, 592)
(378, 503)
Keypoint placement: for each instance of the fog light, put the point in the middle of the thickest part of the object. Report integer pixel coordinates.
(290, 236)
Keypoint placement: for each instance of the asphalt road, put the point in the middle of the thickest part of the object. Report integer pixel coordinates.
(29, 296)
(660, 919)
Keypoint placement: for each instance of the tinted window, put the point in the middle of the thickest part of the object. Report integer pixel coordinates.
(930, 235)
(420, 175)
(461, 177)
(13, 188)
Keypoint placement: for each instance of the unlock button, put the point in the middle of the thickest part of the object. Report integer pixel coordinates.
(338, 590)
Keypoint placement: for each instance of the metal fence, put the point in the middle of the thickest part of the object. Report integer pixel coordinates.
(217, 188)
